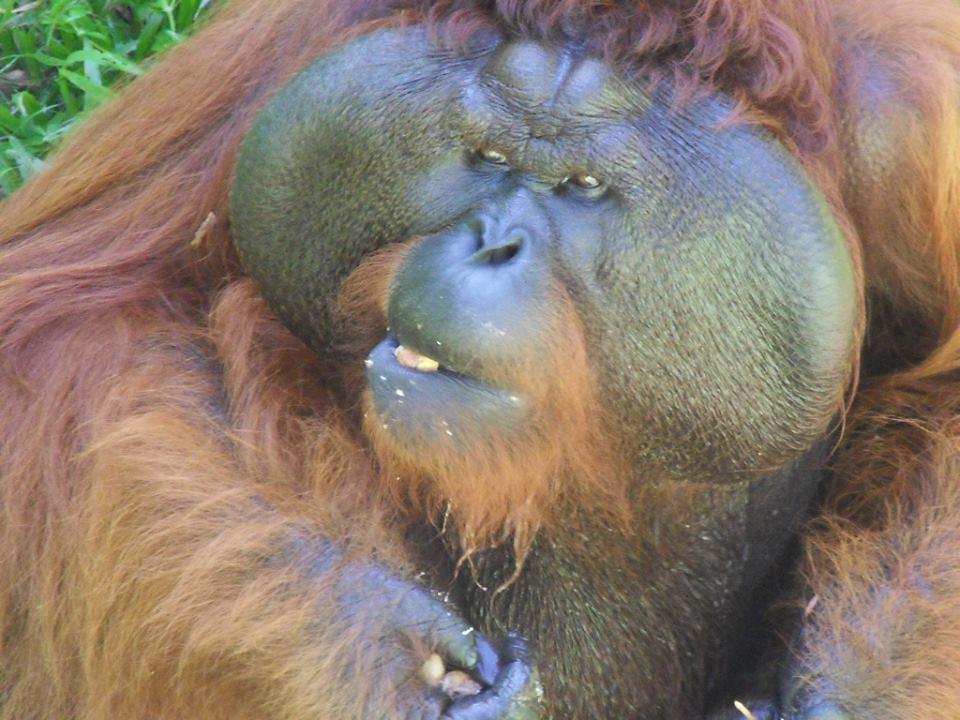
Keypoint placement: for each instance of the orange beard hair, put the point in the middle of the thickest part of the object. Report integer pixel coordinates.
(499, 485)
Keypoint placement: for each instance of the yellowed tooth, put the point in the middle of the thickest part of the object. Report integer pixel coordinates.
(414, 360)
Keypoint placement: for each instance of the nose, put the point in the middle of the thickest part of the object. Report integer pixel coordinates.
(497, 243)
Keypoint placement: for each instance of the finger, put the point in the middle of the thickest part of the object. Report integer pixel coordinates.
(514, 676)
(423, 616)
(456, 641)
(488, 666)
(516, 647)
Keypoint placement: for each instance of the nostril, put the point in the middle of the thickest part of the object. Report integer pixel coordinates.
(500, 252)
(503, 254)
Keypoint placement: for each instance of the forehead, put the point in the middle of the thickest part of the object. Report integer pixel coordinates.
(550, 81)
(545, 92)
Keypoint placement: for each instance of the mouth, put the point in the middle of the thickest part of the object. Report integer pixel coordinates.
(419, 401)
(407, 365)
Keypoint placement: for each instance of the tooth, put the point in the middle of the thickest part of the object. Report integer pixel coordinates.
(414, 360)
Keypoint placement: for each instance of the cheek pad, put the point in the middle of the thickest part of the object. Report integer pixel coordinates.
(726, 316)
(327, 173)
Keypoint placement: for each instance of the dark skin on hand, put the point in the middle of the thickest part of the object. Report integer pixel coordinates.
(487, 361)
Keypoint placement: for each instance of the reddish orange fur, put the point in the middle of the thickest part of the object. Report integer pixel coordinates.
(149, 397)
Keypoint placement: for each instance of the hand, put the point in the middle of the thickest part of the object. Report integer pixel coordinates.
(410, 622)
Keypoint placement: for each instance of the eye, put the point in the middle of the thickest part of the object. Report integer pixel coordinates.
(586, 185)
(585, 181)
(491, 156)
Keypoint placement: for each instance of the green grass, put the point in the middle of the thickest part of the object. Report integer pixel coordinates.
(58, 59)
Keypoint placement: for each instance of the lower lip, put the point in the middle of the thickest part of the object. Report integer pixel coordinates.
(442, 404)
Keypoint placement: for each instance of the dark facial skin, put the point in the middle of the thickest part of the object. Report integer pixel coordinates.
(714, 287)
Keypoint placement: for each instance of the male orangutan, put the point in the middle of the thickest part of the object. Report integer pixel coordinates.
(478, 359)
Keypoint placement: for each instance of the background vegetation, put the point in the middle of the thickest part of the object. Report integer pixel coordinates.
(58, 59)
